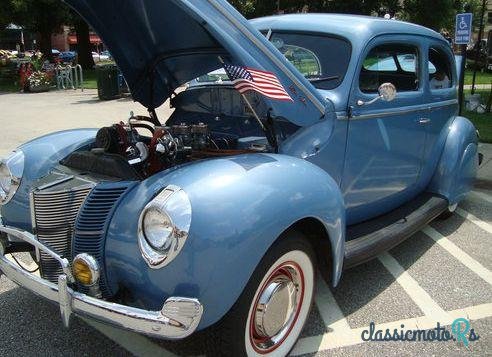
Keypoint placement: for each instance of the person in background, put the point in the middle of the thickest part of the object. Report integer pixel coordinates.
(439, 80)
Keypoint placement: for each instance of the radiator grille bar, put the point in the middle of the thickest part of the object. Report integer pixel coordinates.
(54, 211)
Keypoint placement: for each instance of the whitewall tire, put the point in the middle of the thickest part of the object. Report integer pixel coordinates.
(292, 280)
(273, 308)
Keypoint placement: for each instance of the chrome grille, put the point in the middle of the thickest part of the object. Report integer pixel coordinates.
(55, 208)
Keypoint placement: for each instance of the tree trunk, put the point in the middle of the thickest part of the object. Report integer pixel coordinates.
(84, 52)
(45, 45)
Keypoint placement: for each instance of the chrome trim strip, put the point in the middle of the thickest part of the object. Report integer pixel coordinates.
(15, 167)
(179, 212)
(445, 103)
(178, 318)
(409, 110)
(267, 52)
(342, 115)
(31, 239)
(378, 115)
(54, 183)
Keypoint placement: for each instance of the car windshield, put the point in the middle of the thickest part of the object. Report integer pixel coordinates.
(322, 59)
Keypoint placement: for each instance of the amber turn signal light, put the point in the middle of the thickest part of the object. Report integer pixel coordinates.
(86, 269)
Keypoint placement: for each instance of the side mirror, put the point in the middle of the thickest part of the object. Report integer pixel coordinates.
(387, 92)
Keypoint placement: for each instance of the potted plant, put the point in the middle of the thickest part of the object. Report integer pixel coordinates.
(38, 82)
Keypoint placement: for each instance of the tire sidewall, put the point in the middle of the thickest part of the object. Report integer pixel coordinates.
(304, 260)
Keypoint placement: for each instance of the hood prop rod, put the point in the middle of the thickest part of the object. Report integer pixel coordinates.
(151, 109)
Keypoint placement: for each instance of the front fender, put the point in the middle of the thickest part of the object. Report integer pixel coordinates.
(240, 206)
(458, 164)
(40, 155)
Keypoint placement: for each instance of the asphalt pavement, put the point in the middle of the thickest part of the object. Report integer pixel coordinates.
(440, 274)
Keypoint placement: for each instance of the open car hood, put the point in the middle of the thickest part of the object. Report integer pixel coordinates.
(170, 42)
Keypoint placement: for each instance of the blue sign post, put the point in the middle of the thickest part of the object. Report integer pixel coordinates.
(462, 36)
(463, 30)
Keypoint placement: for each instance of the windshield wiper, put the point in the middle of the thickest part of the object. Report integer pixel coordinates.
(323, 79)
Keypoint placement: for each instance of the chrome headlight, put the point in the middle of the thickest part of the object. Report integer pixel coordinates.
(11, 170)
(163, 226)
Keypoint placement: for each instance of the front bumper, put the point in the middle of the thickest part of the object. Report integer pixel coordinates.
(178, 318)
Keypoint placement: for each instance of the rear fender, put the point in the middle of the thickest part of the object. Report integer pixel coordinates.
(458, 164)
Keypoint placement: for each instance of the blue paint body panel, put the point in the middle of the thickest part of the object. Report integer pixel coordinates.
(458, 164)
(41, 155)
(239, 206)
(345, 164)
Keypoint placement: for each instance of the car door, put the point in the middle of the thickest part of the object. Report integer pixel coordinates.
(442, 102)
(385, 139)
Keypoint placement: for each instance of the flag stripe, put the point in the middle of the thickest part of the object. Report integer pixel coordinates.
(261, 75)
(241, 83)
(269, 84)
(266, 83)
(248, 87)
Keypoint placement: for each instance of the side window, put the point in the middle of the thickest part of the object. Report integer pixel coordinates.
(439, 69)
(393, 63)
(303, 59)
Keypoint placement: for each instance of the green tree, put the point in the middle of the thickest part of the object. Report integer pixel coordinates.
(439, 14)
(40, 16)
(5, 13)
(257, 8)
(434, 14)
(84, 49)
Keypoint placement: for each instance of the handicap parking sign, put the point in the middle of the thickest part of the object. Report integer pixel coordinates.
(462, 34)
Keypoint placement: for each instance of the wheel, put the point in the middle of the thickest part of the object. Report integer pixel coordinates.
(270, 314)
(448, 212)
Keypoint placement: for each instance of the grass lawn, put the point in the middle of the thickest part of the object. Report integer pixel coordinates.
(483, 122)
(90, 79)
(482, 78)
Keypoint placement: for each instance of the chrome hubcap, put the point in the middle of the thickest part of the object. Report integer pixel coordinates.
(277, 307)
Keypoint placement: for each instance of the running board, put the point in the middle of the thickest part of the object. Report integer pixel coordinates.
(368, 239)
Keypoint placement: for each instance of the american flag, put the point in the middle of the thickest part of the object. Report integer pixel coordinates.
(266, 83)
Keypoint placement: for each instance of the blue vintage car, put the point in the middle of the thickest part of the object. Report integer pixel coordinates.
(346, 142)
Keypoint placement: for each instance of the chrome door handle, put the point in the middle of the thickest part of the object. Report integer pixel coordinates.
(424, 121)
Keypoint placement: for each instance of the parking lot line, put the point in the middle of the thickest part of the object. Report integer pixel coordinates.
(421, 298)
(459, 254)
(477, 221)
(136, 344)
(332, 340)
(328, 308)
(480, 196)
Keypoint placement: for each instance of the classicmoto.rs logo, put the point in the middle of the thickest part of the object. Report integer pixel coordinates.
(461, 332)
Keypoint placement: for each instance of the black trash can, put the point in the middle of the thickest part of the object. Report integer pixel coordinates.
(107, 82)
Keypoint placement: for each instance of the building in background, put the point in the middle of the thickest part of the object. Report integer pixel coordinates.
(96, 43)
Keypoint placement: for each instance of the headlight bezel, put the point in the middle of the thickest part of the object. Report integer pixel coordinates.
(14, 166)
(174, 203)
